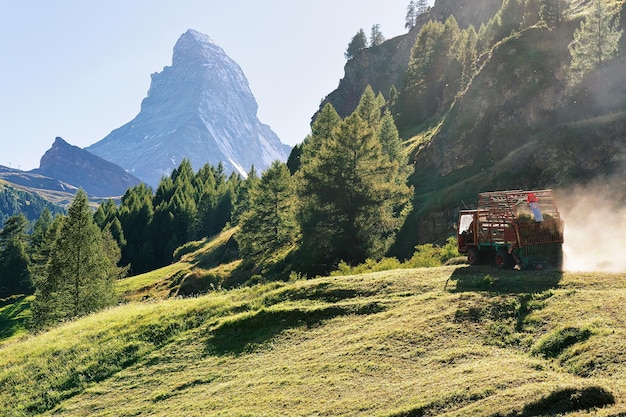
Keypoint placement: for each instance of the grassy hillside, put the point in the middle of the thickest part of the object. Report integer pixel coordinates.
(441, 341)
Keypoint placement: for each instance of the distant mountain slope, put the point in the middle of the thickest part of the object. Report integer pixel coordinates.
(73, 165)
(15, 199)
(200, 108)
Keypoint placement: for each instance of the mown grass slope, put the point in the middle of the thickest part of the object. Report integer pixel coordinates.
(441, 341)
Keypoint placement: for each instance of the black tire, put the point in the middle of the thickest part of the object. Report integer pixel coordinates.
(473, 255)
(503, 259)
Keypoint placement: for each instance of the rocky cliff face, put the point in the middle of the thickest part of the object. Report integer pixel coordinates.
(385, 65)
(200, 108)
(73, 165)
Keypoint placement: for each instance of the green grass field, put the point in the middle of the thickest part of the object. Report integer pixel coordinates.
(451, 341)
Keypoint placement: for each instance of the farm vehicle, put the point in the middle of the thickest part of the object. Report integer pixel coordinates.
(521, 229)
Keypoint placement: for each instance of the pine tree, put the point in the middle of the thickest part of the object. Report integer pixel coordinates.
(426, 68)
(358, 43)
(324, 128)
(393, 99)
(269, 227)
(596, 41)
(370, 107)
(411, 15)
(293, 161)
(552, 12)
(136, 213)
(376, 37)
(349, 199)
(15, 274)
(244, 196)
(79, 275)
(413, 10)
(41, 240)
(462, 62)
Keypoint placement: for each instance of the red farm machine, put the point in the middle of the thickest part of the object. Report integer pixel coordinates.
(521, 229)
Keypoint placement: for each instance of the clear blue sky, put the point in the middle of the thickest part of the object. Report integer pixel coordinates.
(79, 69)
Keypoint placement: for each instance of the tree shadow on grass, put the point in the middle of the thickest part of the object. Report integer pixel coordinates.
(494, 280)
(246, 332)
(568, 400)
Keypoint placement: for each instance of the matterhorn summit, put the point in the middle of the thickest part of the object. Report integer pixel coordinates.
(200, 108)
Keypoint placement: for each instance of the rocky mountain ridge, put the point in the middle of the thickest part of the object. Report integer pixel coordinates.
(73, 165)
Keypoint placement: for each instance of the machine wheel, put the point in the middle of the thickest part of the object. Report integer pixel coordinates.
(473, 256)
(503, 259)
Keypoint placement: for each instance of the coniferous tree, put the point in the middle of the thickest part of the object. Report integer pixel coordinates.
(79, 274)
(293, 161)
(596, 41)
(411, 15)
(390, 142)
(206, 187)
(41, 240)
(370, 107)
(425, 69)
(376, 37)
(350, 196)
(552, 12)
(413, 10)
(15, 274)
(358, 43)
(244, 196)
(324, 128)
(136, 213)
(269, 227)
(393, 99)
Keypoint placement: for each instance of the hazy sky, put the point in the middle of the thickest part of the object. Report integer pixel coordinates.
(79, 69)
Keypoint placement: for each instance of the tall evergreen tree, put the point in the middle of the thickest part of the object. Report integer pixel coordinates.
(552, 12)
(79, 275)
(350, 194)
(413, 10)
(324, 127)
(136, 213)
(15, 274)
(244, 196)
(370, 107)
(596, 41)
(376, 37)
(293, 161)
(269, 227)
(41, 241)
(358, 43)
(426, 68)
(411, 15)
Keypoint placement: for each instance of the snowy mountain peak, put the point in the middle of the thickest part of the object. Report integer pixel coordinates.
(193, 45)
(200, 108)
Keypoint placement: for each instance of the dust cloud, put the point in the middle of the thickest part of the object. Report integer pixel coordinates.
(595, 227)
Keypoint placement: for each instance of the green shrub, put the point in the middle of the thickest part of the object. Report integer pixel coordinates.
(425, 256)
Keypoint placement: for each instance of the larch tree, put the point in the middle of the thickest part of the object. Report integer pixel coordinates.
(349, 194)
(552, 12)
(596, 41)
(269, 228)
(358, 43)
(376, 36)
(79, 274)
(15, 274)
